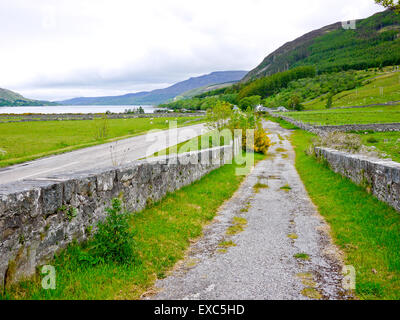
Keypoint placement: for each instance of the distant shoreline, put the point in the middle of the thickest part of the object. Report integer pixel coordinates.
(95, 109)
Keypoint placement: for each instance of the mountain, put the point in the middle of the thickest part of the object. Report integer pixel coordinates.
(161, 95)
(10, 98)
(198, 91)
(374, 43)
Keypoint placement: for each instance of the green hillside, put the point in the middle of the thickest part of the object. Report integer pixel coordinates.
(381, 88)
(344, 89)
(10, 95)
(374, 43)
(12, 99)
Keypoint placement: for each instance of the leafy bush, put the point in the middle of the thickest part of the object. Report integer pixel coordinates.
(329, 101)
(114, 240)
(261, 141)
(372, 140)
(218, 115)
(249, 121)
(294, 103)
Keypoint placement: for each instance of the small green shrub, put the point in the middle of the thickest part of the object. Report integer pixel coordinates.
(259, 142)
(329, 101)
(114, 240)
(372, 140)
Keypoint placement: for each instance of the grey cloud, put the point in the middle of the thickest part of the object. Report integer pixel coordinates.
(87, 45)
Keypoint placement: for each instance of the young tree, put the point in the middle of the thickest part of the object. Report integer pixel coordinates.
(295, 103)
(329, 101)
(392, 4)
(218, 116)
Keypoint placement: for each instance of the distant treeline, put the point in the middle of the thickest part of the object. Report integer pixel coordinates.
(267, 86)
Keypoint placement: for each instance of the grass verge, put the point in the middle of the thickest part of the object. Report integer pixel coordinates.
(365, 229)
(163, 232)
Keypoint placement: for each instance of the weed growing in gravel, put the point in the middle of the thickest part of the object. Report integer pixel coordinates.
(238, 226)
(311, 293)
(227, 244)
(307, 279)
(302, 256)
(259, 186)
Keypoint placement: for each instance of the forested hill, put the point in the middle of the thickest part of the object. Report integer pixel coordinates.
(374, 43)
(162, 95)
(10, 98)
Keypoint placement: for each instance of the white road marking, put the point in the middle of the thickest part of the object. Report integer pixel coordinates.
(47, 171)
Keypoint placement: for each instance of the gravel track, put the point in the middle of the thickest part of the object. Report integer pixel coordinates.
(262, 264)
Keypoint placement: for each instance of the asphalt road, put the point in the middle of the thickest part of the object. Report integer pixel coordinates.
(262, 263)
(105, 155)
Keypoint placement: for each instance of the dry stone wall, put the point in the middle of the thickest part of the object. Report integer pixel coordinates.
(380, 177)
(40, 217)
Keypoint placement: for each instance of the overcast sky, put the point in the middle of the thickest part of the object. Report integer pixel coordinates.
(58, 49)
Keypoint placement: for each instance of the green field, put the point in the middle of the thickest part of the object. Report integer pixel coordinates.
(365, 229)
(380, 114)
(381, 89)
(386, 142)
(163, 231)
(20, 142)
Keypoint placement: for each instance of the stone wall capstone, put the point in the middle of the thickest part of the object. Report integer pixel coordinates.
(40, 217)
